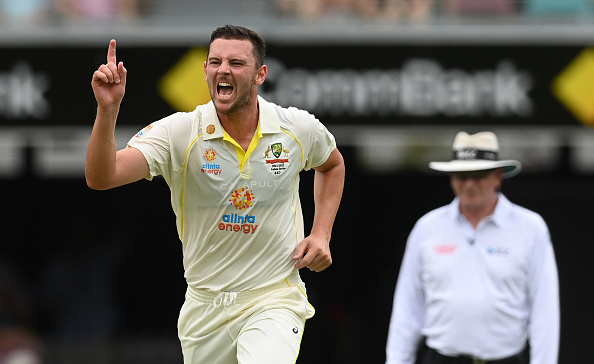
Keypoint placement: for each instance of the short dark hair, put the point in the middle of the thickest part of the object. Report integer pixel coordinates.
(241, 33)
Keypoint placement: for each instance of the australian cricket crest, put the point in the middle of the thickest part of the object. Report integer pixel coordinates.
(276, 158)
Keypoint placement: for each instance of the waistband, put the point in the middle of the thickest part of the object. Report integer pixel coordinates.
(438, 358)
(230, 297)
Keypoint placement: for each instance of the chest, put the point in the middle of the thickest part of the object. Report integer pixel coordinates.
(490, 253)
(216, 170)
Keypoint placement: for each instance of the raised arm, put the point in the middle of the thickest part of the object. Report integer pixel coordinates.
(314, 251)
(106, 167)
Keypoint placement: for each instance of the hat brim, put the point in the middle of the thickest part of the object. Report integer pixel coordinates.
(510, 167)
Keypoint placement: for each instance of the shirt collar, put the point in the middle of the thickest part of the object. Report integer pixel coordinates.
(269, 122)
(500, 216)
(502, 213)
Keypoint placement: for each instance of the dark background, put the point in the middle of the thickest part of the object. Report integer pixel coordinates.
(72, 102)
(106, 265)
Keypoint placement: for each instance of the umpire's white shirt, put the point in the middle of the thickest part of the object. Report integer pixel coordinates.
(479, 292)
(238, 212)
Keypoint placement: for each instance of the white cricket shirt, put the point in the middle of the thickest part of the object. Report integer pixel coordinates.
(238, 214)
(480, 292)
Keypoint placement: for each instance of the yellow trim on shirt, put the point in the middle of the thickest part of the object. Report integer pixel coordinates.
(295, 181)
(183, 188)
(242, 155)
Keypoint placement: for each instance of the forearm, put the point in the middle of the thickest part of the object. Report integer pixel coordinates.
(100, 162)
(328, 188)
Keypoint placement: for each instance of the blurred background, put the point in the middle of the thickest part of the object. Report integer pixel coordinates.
(96, 277)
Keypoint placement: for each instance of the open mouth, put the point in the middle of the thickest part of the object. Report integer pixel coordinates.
(224, 89)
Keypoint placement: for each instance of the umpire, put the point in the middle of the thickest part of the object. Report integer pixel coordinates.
(478, 279)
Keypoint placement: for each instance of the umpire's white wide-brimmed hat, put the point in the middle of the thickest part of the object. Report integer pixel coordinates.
(476, 152)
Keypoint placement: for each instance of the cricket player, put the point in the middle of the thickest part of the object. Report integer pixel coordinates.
(232, 166)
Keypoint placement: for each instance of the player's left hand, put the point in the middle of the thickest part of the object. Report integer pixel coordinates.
(314, 253)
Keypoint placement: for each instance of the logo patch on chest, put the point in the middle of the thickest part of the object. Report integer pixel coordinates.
(211, 168)
(242, 198)
(276, 158)
(498, 251)
(445, 249)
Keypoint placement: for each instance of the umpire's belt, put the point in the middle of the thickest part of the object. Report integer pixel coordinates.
(437, 358)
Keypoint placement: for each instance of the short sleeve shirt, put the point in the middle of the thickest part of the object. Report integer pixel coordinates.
(238, 214)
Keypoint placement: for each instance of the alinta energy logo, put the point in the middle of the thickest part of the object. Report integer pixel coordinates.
(574, 87)
(237, 223)
(211, 168)
(242, 198)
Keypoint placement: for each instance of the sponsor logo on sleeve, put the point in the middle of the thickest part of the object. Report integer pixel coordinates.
(143, 131)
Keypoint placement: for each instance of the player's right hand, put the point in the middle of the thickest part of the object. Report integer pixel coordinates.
(109, 81)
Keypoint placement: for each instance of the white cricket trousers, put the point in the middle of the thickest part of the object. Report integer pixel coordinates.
(261, 326)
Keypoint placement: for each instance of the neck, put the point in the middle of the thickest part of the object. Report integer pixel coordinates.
(475, 213)
(241, 125)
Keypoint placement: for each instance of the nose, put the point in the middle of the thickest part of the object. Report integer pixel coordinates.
(224, 68)
(470, 181)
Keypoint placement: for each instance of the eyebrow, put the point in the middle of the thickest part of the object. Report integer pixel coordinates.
(231, 60)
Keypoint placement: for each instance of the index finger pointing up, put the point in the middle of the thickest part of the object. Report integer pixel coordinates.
(111, 52)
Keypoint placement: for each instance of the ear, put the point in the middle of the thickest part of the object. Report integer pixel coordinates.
(452, 182)
(261, 75)
(499, 172)
(205, 71)
(499, 175)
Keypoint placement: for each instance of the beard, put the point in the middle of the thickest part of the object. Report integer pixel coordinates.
(242, 99)
(235, 106)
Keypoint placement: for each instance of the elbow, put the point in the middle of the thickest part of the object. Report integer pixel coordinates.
(95, 186)
(96, 183)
